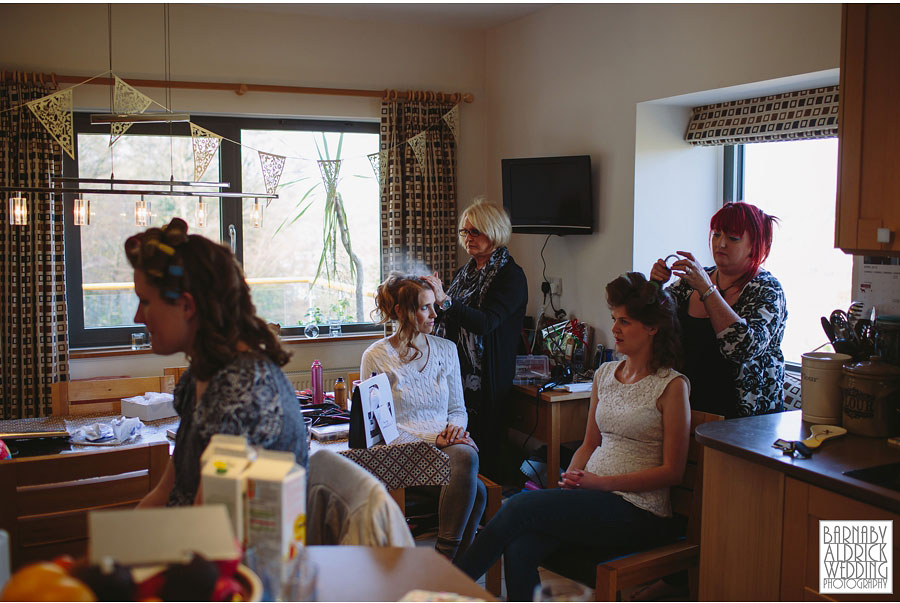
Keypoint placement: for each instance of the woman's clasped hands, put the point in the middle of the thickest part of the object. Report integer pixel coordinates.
(454, 434)
(578, 479)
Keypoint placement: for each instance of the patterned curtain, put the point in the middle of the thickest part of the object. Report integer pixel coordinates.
(33, 342)
(800, 115)
(418, 202)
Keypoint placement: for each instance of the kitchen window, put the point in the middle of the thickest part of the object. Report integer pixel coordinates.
(796, 181)
(280, 259)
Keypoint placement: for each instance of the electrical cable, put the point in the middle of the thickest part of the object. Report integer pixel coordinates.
(556, 312)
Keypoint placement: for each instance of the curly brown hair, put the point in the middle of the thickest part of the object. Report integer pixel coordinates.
(397, 299)
(177, 263)
(646, 302)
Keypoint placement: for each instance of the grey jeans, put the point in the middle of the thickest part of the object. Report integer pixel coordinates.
(461, 502)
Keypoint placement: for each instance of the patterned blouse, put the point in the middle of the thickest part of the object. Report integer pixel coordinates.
(249, 397)
(754, 345)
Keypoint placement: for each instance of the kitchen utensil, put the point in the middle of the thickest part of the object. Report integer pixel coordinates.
(855, 312)
(842, 346)
(829, 330)
(841, 324)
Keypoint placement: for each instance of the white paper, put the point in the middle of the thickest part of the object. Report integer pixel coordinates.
(384, 416)
(879, 286)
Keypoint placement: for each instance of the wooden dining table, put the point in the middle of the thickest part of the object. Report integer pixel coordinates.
(361, 573)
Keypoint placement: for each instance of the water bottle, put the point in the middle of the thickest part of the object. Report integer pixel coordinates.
(318, 390)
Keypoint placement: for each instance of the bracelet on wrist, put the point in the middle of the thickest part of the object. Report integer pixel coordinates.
(708, 292)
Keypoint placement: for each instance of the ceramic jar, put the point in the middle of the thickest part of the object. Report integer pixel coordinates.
(871, 392)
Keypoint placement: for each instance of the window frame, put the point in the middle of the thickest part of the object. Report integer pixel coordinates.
(229, 158)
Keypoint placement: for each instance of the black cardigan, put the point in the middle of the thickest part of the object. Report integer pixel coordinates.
(499, 321)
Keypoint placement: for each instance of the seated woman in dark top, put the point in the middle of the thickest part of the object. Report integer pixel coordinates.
(193, 298)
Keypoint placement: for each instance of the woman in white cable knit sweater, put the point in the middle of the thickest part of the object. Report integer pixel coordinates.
(427, 390)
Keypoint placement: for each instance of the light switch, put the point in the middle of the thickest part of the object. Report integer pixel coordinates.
(884, 235)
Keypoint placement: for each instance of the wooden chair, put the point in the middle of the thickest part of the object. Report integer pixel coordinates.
(175, 372)
(45, 499)
(105, 395)
(687, 500)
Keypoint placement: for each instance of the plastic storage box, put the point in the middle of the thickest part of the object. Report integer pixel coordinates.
(531, 369)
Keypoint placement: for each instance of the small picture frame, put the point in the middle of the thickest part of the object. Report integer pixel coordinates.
(372, 416)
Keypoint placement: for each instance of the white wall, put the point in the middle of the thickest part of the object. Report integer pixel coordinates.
(568, 80)
(227, 44)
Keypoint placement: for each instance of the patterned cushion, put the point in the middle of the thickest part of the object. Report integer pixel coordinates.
(791, 391)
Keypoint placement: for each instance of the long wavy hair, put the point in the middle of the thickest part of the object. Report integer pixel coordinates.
(649, 304)
(397, 299)
(176, 263)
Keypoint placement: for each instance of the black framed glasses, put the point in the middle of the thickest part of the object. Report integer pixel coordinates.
(463, 233)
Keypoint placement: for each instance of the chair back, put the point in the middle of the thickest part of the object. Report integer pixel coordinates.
(45, 499)
(105, 395)
(687, 497)
(347, 505)
(175, 371)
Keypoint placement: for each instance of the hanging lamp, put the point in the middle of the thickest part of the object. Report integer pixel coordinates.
(18, 211)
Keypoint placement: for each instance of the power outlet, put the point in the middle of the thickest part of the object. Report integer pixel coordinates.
(555, 286)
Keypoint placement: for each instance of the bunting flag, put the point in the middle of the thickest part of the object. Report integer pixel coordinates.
(330, 168)
(417, 143)
(205, 145)
(379, 166)
(272, 166)
(127, 99)
(452, 119)
(55, 113)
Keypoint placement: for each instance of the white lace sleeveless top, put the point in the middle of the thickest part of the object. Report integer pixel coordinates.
(632, 431)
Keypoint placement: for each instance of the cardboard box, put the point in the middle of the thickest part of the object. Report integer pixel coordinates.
(161, 536)
(276, 504)
(151, 406)
(223, 464)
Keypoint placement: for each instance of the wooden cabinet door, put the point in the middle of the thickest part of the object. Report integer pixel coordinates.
(869, 129)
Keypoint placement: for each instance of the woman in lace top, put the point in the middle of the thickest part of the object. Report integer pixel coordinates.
(732, 316)
(614, 496)
(194, 300)
(427, 390)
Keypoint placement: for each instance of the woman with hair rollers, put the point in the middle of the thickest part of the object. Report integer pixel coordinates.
(193, 298)
(614, 496)
(427, 390)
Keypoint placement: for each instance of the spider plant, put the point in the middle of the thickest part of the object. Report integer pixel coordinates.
(334, 224)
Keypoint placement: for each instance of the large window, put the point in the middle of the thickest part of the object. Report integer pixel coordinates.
(796, 181)
(295, 278)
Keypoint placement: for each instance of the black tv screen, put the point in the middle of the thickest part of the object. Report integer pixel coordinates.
(549, 195)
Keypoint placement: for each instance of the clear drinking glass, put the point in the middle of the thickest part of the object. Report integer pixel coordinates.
(562, 590)
(137, 341)
(300, 580)
(334, 328)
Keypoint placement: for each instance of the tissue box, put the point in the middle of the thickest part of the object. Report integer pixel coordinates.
(152, 406)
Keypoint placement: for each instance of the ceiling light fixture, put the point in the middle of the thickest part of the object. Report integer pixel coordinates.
(202, 213)
(82, 212)
(256, 214)
(141, 212)
(18, 211)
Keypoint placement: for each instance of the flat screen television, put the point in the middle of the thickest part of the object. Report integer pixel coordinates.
(549, 195)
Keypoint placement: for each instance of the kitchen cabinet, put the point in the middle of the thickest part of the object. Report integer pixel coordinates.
(869, 130)
(804, 506)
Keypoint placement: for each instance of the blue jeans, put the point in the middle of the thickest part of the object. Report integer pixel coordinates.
(532, 525)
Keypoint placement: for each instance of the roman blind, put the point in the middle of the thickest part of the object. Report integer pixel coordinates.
(800, 115)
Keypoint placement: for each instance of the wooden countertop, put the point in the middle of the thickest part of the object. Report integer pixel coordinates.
(751, 438)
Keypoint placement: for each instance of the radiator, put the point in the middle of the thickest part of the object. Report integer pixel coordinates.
(301, 379)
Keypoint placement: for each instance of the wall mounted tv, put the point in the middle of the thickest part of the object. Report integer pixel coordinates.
(549, 195)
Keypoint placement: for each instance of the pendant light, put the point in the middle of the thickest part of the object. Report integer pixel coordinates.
(82, 211)
(202, 213)
(256, 214)
(18, 212)
(142, 212)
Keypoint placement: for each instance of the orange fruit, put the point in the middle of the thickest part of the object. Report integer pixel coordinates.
(45, 581)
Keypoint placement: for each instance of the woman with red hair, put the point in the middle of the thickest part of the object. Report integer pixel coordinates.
(732, 316)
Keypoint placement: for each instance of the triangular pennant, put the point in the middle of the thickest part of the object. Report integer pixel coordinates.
(205, 145)
(272, 166)
(126, 100)
(55, 113)
(379, 166)
(330, 169)
(452, 119)
(417, 143)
